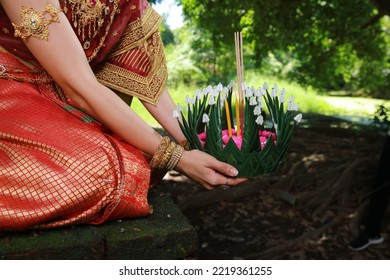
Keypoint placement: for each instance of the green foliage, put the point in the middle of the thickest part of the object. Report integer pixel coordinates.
(182, 60)
(314, 42)
(154, 1)
(382, 116)
(166, 33)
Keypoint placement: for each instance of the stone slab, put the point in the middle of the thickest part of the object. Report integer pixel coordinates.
(166, 234)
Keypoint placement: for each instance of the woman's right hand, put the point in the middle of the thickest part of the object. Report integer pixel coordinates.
(207, 170)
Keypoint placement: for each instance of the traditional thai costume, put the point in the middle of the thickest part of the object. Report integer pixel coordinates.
(58, 165)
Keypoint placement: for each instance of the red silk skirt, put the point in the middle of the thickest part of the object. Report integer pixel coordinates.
(58, 166)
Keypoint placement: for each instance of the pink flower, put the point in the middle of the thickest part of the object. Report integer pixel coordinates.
(238, 141)
(265, 133)
(226, 132)
(225, 138)
(202, 136)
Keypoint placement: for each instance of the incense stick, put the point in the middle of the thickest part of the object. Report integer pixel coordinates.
(240, 81)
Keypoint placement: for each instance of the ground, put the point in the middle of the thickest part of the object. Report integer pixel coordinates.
(308, 210)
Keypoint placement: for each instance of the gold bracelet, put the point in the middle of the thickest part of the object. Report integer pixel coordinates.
(184, 143)
(158, 154)
(167, 155)
(175, 158)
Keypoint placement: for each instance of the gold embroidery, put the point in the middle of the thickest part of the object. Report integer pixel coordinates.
(88, 13)
(141, 51)
(89, 17)
(137, 32)
(148, 89)
(35, 23)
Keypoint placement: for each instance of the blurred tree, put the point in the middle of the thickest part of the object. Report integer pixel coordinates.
(154, 1)
(339, 44)
(166, 32)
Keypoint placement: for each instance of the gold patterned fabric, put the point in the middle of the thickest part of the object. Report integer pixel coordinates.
(136, 66)
(58, 166)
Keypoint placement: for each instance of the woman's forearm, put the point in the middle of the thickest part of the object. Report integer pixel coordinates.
(109, 109)
(162, 112)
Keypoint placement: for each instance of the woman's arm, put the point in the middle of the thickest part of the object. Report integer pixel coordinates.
(63, 58)
(162, 112)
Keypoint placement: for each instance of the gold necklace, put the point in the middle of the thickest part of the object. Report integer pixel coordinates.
(89, 16)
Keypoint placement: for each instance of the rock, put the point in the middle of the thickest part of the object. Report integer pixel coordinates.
(153, 237)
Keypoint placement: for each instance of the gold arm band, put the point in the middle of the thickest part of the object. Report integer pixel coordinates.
(35, 23)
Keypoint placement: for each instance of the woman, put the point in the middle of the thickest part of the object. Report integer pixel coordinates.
(71, 150)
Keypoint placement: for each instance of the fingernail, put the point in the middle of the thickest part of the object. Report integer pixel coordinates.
(233, 172)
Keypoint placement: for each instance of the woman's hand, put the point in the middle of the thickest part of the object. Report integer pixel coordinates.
(207, 171)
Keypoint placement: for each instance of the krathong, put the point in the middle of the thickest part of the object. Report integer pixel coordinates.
(233, 127)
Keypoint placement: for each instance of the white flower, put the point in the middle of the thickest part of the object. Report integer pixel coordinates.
(298, 118)
(207, 90)
(179, 107)
(211, 100)
(291, 100)
(260, 120)
(198, 94)
(223, 96)
(231, 85)
(282, 95)
(214, 92)
(257, 93)
(260, 103)
(176, 113)
(248, 92)
(265, 86)
(252, 100)
(188, 99)
(292, 107)
(244, 86)
(257, 110)
(219, 87)
(205, 118)
(226, 90)
(274, 91)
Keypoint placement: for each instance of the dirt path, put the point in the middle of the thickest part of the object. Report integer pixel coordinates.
(308, 210)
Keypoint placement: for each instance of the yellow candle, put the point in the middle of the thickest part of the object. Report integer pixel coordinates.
(238, 118)
(228, 118)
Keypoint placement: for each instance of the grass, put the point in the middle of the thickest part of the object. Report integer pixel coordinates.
(309, 100)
